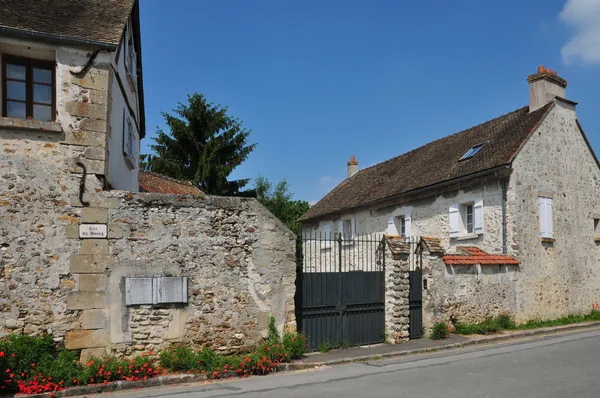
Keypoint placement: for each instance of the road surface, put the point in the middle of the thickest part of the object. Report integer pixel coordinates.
(566, 365)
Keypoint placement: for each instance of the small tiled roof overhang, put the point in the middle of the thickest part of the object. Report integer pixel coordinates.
(158, 183)
(434, 245)
(397, 244)
(474, 256)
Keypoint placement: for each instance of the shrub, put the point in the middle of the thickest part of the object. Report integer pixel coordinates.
(179, 357)
(440, 331)
(506, 322)
(273, 337)
(325, 346)
(294, 344)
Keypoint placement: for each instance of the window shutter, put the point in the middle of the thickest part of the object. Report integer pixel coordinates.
(341, 229)
(478, 217)
(454, 216)
(391, 227)
(125, 135)
(407, 230)
(549, 226)
(353, 228)
(542, 216)
(325, 238)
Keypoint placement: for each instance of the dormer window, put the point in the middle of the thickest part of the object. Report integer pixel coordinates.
(28, 88)
(472, 151)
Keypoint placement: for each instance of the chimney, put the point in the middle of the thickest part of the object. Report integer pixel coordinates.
(352, 167)
(544, 86)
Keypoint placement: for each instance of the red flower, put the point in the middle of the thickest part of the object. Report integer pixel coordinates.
(1, 353)
(12, 355)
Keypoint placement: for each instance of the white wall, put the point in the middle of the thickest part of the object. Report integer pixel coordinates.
(120, 174)
(429, 217)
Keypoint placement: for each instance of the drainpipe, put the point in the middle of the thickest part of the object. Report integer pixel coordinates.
(504, 243)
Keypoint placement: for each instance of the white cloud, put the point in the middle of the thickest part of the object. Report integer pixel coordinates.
(312, 202)
(583, 16)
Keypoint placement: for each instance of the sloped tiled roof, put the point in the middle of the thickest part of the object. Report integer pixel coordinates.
(434, 163)
(99, 21)
(158, 183)
(433, 245)
(474, 255)
(397, 244)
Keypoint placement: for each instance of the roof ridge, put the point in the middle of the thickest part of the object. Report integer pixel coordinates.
(447, 136)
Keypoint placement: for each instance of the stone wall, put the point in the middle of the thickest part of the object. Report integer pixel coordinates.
(562, 277)
(467, 293)
(397, 288)
(239, 260)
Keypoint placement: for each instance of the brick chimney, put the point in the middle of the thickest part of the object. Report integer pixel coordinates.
(544, 86)
(352, 167)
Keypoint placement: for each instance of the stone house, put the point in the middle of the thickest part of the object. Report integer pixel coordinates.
(512, 205)
(116, 271)
(75, 67)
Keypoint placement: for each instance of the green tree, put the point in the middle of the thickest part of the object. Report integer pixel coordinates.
(204, 145)
(279, 201)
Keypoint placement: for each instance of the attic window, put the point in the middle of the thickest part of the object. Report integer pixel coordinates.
(472, 151)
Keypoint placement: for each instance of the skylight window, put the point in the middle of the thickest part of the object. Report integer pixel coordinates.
(471, 152)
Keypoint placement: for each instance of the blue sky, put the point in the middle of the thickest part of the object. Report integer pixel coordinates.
(321, 81)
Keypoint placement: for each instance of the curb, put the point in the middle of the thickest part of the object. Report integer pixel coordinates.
(169, 380)
(484, 340)
(166, 380)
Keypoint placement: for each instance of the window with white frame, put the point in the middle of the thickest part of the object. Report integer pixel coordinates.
(130, 141)
(597, 229)
(347, 229)
(130, 56)
(466, 219)
(545, 217)
(399, 225)
(326, 236)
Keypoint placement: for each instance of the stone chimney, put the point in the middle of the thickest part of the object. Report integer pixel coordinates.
(352, 167)
(544, 86)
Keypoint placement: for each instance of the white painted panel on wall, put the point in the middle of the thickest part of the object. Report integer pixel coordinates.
(454, 216)
(478, 217)
(138, 291)
(171, 289)
(391, 227)
(407, 226)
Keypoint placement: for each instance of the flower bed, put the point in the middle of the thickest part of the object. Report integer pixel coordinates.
(34, 365)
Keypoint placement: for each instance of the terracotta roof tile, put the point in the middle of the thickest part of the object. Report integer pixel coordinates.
(434, 163)
(477, 256)
(154, 182)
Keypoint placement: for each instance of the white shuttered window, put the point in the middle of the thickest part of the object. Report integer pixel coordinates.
(545, 216)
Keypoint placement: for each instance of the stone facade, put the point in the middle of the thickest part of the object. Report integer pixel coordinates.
(467, 293)
(238, 258)
(562, 277)
(554, 279)
(396, 295)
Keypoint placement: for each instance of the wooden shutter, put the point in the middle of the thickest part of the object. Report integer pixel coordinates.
(407, 230)
(391, 227)
(542, 216)
(478, 217)
(549, 223)
(341, 229)
(326, 237)
(352, 228)
(125, 135)
(454, 216)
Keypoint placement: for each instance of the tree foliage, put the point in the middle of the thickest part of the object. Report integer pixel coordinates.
(279, 201)
(204, 145)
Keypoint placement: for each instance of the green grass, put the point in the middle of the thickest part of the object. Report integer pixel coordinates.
(505, 322)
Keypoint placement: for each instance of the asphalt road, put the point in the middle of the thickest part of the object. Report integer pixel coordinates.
(565, 365)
